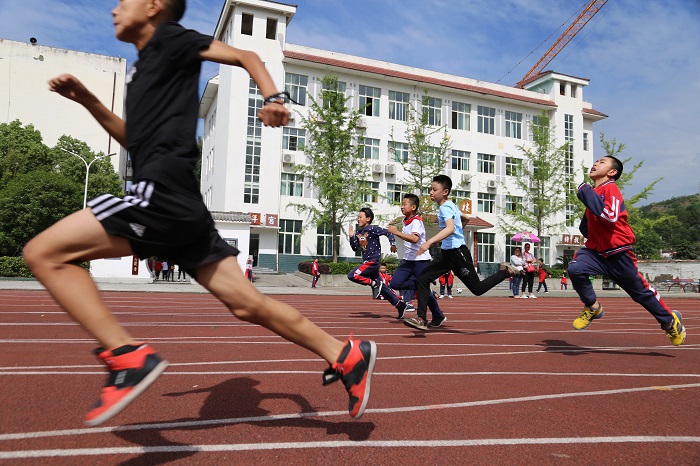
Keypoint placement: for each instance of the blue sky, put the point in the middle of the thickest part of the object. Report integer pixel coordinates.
(641, 58)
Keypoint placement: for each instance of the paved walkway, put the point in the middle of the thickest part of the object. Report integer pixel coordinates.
(285, 284)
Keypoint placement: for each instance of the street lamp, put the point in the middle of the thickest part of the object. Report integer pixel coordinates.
(87, 169)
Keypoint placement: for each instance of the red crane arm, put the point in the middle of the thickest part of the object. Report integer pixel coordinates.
(591, 9)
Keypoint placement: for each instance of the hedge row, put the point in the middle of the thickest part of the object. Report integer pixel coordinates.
(339, 268)
(15, 267)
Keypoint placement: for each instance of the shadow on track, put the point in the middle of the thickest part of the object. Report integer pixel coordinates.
(231, 400)
(561, 346)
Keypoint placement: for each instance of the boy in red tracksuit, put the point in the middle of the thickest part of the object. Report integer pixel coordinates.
(608, 251)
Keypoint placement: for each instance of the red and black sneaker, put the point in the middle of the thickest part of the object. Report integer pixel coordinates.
(354, 367)
(132, 369)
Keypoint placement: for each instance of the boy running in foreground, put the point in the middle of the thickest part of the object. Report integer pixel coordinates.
(608, 251)
(164, 214)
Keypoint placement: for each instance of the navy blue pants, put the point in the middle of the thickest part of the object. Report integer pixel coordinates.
(622, 269)
(405, 277)
(368, 271)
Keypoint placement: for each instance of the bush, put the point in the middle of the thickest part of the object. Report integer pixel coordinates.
(305, 267)
(15, 267)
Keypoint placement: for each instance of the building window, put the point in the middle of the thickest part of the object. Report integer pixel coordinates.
(514, 166)
(485, 163)
(251, 184)
(514, 125)
(247, 24)
(296, 85)
(433, 154)
(324, 240)
(289, 237)
(485, 202)
(338, 89)
(511, 245)
(459, 195)
(460, 160)
(369, 100)
(400, 151)
(573, 90)
(371, 148)
(373, 196)
(292, 184)
(514, 204)
(395, 192)
(434, 108)
(398, 105)
(585, 141)
(486, 119)
(486, 248)
(293, 138)
(543, 250)
(271, 32)
(460, 115)
(562, 88)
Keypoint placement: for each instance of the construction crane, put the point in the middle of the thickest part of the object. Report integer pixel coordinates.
(591, 9)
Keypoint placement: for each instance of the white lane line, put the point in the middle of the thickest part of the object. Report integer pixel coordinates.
(400, 409)
(76, 452)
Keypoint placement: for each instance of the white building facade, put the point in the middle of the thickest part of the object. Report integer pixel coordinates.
(248, 168)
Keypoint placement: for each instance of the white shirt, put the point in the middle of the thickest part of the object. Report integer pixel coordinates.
(414, 226)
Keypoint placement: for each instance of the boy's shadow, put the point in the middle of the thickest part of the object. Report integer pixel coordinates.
(235, 399)
(563, 347)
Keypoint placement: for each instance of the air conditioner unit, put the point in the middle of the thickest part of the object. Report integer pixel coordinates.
(377, 168)
(466, 179)
(361, 123)
(390, 169)
(491, 184)
(288, 158)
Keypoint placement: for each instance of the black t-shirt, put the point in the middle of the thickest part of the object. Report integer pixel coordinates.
(162, 103)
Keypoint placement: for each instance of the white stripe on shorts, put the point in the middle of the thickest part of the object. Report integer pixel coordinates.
(105, 205)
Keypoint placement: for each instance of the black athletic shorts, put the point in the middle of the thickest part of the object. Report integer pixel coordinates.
(163, 223)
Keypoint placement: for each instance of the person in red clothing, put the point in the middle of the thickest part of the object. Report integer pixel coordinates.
(542, 276)
(608, 251)
(315, 273)
(446, 280)
(158, 268)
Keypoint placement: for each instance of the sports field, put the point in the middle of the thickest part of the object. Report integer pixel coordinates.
(505, 381)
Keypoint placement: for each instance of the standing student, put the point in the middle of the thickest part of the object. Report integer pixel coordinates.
(446, 281)
(366, 238)
(542, 272)
(412, 265)
(315, 274)
(564, 282)
(166, 270)
(249, 269)
(528, 272)
(608, 251)
(166, 205)
(181, 273)
(518, 263)
(455, 254)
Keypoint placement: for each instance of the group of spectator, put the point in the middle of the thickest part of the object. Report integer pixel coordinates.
(164, 270)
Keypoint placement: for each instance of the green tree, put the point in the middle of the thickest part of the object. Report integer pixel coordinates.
(427, 145)
(32, 202)
(545, 176)
(21, 151)
(336, 170)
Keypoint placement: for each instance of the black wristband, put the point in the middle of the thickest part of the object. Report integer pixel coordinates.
(280, 97)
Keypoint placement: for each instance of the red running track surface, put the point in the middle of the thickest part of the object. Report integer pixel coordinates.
(504, 382)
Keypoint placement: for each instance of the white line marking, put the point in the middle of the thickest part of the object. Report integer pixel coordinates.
(400, 409)
(342, 444)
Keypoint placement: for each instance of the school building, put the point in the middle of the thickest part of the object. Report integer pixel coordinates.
(248, 168)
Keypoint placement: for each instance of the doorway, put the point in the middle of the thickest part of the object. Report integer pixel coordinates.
(254, 248)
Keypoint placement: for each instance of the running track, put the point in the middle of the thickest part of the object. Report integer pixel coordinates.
(505, 382)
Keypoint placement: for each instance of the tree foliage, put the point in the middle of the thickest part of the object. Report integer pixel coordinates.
(427, 146)
(543, 183)
(336, 169)
(40, 185)
(680, 234)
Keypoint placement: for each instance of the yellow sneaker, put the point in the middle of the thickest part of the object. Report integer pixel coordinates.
(676, 332)
(587, 315)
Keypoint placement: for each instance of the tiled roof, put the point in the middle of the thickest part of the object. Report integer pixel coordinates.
(234, 217)
(414, 77)
(594, 112)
